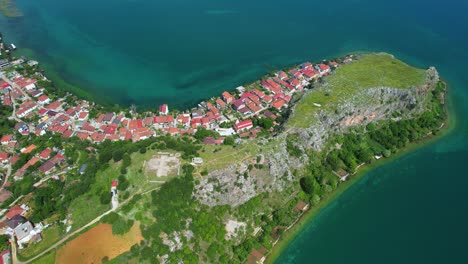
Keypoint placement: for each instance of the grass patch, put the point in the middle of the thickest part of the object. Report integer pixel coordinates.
(217, 157)
(48, 258)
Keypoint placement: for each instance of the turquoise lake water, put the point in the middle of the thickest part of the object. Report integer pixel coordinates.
(411, 210)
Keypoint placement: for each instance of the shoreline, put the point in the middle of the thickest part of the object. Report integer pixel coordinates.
(9, 9)
(298, 227)
(301, 222)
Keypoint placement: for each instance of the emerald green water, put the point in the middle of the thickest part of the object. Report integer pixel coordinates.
(411, 210)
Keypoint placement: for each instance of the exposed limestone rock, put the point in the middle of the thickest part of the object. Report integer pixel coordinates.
(236, 185)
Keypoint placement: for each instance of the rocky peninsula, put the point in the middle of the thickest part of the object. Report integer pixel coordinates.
(197, 194)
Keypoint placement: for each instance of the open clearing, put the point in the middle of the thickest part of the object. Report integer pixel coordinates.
(97, 243)
(163, 165)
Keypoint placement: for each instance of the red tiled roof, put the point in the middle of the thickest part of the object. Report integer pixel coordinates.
(3, 156)
(110, 130)
(15, 210)
(45, 154)
(173, 131)
(97, 136)
(279, 103)
(113, 137)
(228, 97)
(243, 125)
(68, 133)
(6, 138)
(324, 67)
(14, 159)
(54, 105)
(100, 118)
(29, 149)
(163, 108)
(163, 119)
(42, 98)
(183, 119)
(83, 115)
(220, 103)
(82, 135)
(42, 111)
(87, 126)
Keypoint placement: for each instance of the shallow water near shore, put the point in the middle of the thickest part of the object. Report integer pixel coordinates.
(409, 210)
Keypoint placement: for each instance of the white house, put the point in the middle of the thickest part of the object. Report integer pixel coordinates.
(26, 232)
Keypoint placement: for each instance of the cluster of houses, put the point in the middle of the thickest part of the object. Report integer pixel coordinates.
(57, 116)
(47, 158)
(16, 225)
(36, 112)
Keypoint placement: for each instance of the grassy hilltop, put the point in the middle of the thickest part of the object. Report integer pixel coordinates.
(372, 70)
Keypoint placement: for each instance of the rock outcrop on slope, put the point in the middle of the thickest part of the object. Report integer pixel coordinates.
(235, 185)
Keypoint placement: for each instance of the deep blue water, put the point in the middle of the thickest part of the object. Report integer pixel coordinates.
(146, 52)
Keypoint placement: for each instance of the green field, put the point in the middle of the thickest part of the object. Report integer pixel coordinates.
(87, 207)
(48, 258)
(370, 71)
(217, 157)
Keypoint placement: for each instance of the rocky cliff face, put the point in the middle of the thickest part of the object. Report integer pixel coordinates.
(235, 184)
(369, 105)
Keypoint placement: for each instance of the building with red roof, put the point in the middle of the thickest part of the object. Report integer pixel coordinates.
(243, 125)
(114, 184)
(173, 131)
(43, 99)
(228, 98)
(279, 103)
(54, 105)
(68, 133)
(82, 135)
(29, 149)
(83, 115)
(164, 119)
(194, 123)
(113, 137)
(148, 121)
(295, 83)
(25, 83)
(220, 103)
(282, 75)
(183, 120)
(163, 109)
(110, 130)
(323, 69)
(4, 157)
(45, 154)
(15, 210)
(97, 137)
(6, 139)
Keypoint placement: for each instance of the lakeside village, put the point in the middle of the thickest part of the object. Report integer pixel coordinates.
(246, 112)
